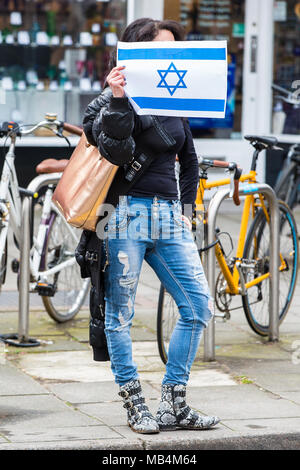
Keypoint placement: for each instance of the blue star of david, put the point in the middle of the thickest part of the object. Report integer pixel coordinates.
(163, 75)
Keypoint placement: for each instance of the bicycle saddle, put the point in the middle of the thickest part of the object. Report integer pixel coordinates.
(268, 141)
(51, 165)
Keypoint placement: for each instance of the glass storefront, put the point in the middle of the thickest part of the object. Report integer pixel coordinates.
(216, 20)
(286, 74)
(54, 55)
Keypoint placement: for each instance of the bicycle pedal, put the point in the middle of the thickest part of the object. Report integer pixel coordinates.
(45, 290)
(15, 264)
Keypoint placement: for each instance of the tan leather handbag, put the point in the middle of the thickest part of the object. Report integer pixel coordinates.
(84, 185)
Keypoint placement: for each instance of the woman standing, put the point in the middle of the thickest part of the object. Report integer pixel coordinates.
(148, 223)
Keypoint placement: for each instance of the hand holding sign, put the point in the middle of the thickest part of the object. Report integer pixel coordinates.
(116, 81)
(176, 78)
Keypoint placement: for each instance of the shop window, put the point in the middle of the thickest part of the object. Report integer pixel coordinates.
(216, 20)
(286, 87)
(54, 55)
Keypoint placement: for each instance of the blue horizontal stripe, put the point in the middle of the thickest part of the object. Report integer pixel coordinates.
(180, 104)
(173, 54)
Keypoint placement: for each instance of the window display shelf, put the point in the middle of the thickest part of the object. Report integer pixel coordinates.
(30, 106)
(38, 141)
(65, 46)
(54, 56)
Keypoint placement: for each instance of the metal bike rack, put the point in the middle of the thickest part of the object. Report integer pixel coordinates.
(213, 208)
(23, 327)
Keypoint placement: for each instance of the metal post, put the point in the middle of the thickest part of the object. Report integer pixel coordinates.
(209, 332)
(274, 270)
(24, 272)
(24, 279)
(215, 203)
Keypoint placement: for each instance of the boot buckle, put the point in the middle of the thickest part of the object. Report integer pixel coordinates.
(138, 415)
(123, 394)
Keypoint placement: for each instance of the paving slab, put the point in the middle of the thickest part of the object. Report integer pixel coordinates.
(104, 392)
(51, 343)
(39, 410)
(96, 444)
(75, 366)
(112, 413)
(145, 348)
(255, 350)
(274, 375)
(179, 438)
(13, 382)
(291, 396)
(198, 378)
(142, 333)
(56, 433)
(228, 334)
(79, 334)
(264, 426)
(249, 402)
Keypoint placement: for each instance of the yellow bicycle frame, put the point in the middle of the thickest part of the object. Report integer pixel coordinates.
(232, 277)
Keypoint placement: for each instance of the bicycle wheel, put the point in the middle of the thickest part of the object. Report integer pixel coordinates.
(257, 250)
(167, 316)
(286, 187)
(69, 288)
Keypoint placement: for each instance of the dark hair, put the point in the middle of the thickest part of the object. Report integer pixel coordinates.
(151, 29)
(146, 29)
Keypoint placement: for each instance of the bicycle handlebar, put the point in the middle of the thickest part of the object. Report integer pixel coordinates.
(50, 121)
(290, 97)
(232, 168)
(72, 129)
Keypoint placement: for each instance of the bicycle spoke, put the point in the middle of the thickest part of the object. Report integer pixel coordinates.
(256, 303)
(70, 288)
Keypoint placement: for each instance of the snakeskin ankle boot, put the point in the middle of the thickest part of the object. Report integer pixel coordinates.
(173, 412)
(139, 417)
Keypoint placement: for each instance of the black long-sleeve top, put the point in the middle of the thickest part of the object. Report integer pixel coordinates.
(160, 179)
(111, 124)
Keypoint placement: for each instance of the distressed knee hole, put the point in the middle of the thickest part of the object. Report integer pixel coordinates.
(124, 320)
(123, 259)
(128, 282)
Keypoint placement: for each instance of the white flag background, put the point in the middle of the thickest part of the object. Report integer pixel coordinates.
(176, 78)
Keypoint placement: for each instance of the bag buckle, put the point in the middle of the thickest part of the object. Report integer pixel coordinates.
(91, 256)
(136, 165)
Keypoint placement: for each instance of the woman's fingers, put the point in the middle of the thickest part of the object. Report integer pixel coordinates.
(120, 67)
(116, 80)
(115, 71)
(115, 77)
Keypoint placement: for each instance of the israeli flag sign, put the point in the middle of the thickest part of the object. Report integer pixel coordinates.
(176, 78)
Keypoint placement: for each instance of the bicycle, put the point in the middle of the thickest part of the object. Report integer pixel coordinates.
(287, 186)
(247, 273)
(288, 104)
(54, 273)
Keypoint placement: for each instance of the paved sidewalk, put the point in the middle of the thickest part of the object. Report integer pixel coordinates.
(56, 397)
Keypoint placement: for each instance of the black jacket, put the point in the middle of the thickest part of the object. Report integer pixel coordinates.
(109, 124)
(122, 137)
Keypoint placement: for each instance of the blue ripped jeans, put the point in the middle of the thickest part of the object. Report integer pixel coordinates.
(152, 229)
